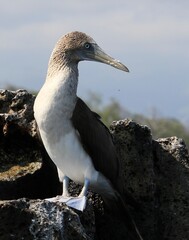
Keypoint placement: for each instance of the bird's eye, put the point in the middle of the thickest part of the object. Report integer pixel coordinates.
(87, 45)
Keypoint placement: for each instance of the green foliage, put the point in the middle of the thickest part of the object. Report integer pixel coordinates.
(164, 127)
(160, 127)
(110, 112)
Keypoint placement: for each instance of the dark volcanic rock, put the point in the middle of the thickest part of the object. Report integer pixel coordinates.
(39, 219)
(25, 168)
(134, 147)
(156, 173)
(172, 180)
(155, 176)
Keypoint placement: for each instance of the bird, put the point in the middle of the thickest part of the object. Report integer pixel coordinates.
(74, 136)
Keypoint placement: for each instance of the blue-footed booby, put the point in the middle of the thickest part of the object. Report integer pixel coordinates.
(74, 137)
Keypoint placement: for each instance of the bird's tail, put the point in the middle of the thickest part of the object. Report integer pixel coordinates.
(119, 209)
(117, 205)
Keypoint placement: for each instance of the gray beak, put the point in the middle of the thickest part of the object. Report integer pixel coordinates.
(100, 56)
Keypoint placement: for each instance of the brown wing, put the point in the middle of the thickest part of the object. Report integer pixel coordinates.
(96, 140)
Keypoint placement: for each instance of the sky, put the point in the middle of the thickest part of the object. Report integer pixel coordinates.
(150, 37)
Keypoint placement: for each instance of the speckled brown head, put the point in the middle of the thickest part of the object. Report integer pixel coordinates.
(77, 46)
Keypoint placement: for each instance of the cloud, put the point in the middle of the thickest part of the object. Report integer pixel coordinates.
(150, 36)
(159, 24)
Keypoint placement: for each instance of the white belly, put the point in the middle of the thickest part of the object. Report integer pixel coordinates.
(70, 157)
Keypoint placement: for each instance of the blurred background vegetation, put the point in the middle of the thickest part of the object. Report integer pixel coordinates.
(160, 127)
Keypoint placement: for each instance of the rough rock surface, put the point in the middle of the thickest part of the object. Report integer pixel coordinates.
(25, 168)
(155, 173)
(40, 219)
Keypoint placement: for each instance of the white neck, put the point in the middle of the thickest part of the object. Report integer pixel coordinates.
(63, 87)
(57, 97)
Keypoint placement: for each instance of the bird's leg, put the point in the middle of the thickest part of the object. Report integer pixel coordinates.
(65, 187)
(85, 188)
(79, 202)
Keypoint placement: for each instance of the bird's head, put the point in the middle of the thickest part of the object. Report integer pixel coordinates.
(77, 46)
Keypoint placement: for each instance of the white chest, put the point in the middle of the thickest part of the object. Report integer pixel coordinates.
(56, 100)
(53, 109)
